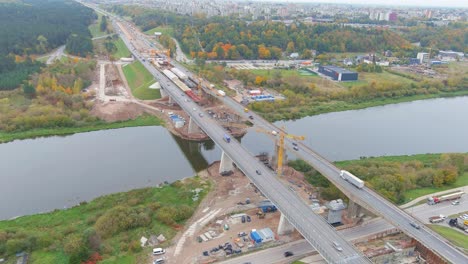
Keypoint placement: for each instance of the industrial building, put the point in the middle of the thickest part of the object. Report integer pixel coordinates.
(338, 74)
(423, 57)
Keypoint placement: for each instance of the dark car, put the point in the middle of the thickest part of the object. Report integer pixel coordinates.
(243, 219)
(296, 148)
(205, 253)
(288, 254)
(258, 172)
(248, 219)
(242, 234)
(294, 144)
(415, 225)
(251, 117)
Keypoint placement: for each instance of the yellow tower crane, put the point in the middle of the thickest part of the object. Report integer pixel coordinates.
(280, 145)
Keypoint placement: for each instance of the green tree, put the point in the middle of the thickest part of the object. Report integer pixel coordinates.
(77, 86)
(42, 43)
(29, 89)
(103, 25)
(79, 45)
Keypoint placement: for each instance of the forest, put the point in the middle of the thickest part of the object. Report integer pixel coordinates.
(50, 99)
(230, 38)
(36, 27)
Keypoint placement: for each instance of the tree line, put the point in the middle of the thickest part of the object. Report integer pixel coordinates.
(231, 38)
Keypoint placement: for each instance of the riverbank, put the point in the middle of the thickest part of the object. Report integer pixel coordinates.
(339, 106)
(144, 120)
(110, 225)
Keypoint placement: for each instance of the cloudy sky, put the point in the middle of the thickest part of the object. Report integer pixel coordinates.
(439, 3)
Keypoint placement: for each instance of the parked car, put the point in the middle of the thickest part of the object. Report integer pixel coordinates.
(158, 261)
(294, 144)
(158, 251)
(457, 202)
(288, 254)
(251, 117)
(205, 253)
(248, 219)
(242, 234)
(243, 219)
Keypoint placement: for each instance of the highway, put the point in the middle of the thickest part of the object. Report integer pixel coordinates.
(313, 227)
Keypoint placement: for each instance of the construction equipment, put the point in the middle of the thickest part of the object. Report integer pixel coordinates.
(280, 145)
(167, 52)
(261, 214)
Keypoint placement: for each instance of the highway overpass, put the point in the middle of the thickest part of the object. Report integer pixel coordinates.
(313, 227)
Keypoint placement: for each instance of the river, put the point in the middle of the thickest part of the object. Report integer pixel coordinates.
(43, 174)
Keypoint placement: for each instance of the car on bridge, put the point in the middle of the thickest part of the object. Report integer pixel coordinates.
(337, 246)
(415, 225)
(288, 254)
(258, 172)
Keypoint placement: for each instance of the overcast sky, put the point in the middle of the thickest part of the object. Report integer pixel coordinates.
(439, 3)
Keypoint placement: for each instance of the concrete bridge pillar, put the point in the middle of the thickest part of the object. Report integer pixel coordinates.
(354, 209)
(284, 226)
(163, 92)
(193, 127)
(226, 163)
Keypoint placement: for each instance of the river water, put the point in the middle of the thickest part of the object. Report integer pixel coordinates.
(43, 174)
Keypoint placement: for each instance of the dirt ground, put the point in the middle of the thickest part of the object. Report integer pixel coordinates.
(217, 210)
(117, 111)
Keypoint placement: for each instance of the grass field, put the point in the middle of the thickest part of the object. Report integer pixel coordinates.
(139, 79)
(95, 27)
(145, 120)
(164, 30)
(50, 231)
(457, 238)
(122, 50)
(369, 77)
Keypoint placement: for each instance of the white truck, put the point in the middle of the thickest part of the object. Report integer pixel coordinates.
(347, 176)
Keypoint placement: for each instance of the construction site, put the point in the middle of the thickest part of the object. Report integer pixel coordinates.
(236, 218)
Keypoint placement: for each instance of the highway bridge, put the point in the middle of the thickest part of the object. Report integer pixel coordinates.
(313, 227)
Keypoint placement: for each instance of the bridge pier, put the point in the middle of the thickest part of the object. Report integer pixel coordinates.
(284, 227)
(226, 163)
(354, 209)
(193, 127)
(163, 92)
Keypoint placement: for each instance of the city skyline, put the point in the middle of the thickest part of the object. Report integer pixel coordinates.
(415, 3)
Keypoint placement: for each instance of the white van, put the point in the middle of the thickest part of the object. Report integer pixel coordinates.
(158, 251)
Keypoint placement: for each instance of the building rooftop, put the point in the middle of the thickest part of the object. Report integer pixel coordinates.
(338, 69)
